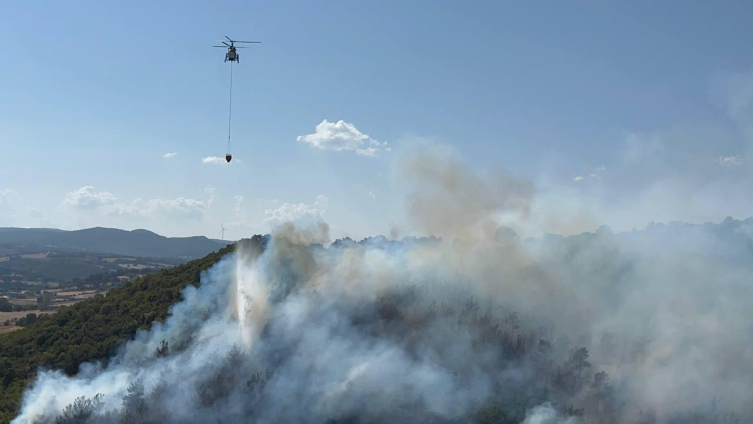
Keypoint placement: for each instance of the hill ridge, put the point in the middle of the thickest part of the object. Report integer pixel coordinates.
(138, 242)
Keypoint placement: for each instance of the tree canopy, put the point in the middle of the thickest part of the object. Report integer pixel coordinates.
(90, 330)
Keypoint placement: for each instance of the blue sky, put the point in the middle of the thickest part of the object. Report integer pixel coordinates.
(619, 113)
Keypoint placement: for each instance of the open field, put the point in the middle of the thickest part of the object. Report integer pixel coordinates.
(135, 266)
(23, 302)
(79, 294)
(4, 316)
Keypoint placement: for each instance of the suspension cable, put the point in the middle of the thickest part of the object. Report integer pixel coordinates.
(230, 109)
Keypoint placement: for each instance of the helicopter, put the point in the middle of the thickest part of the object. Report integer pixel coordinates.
(231, 54)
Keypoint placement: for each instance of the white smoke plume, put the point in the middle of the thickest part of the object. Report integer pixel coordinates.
(546, 414)
(480, 326)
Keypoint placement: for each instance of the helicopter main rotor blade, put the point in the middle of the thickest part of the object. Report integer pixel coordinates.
(255, 42)
(224, 47)
(230, 39)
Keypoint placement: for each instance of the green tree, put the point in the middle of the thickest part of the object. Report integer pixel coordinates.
(80, 411)
(134, 405)
(31, 318)
(579, 360)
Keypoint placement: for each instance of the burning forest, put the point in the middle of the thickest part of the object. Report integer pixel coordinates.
(476, 326)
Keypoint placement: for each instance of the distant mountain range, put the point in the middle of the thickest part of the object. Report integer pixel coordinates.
(142, 243)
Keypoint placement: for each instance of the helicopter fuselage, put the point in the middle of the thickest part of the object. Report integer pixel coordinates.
(231, 55)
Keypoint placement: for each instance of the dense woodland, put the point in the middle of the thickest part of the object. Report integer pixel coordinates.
(90, 330)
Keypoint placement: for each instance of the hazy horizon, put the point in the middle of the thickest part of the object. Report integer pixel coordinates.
(229, 239)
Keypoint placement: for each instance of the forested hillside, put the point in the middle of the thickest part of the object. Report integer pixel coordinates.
(90, 330)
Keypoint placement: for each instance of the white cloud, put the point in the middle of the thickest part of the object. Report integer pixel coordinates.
(594, 174)
(340, 135)
(93, 207)
(372, 196)
(169, 155)
(290, 212)
(180, 208)
(214, 160)
(369, 151)
(14, 211)
(730, 161)
(87, 198)
(175, 208)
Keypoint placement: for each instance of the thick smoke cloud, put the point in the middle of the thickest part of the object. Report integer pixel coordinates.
(546, 414)
(480, 326)
(447, 199)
